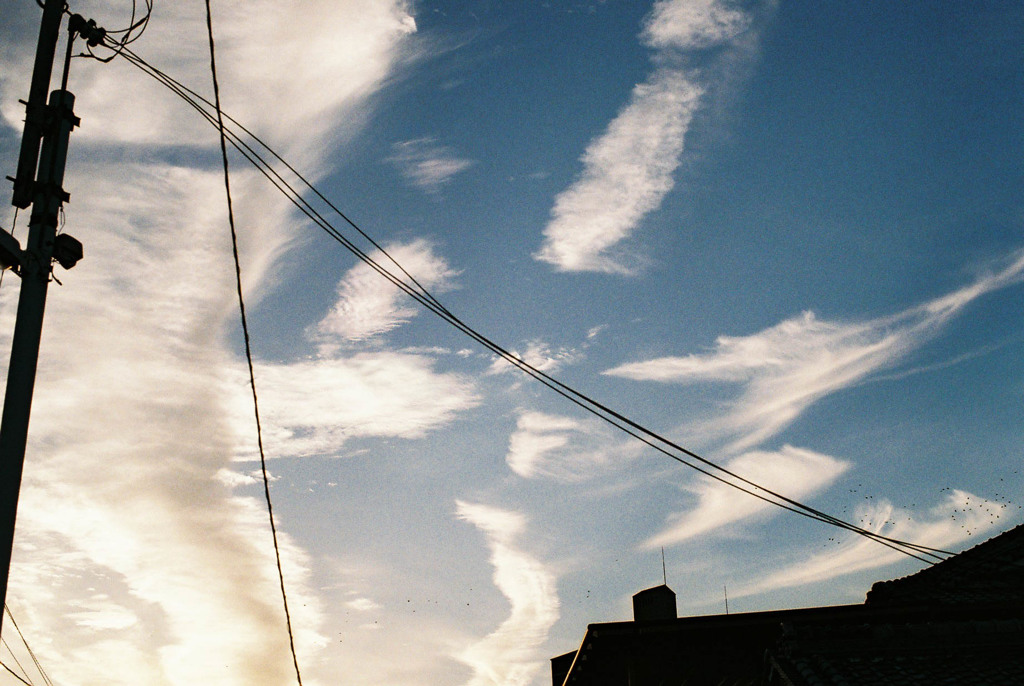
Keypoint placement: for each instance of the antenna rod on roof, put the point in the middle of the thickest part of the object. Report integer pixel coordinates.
(664, 574)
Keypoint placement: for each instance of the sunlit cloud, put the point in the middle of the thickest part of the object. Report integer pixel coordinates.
(427, 164)
(788, 367)
(971, 518)
(133, 548)
(314, 407)
(126, 574)
(357, 44)
(628, 170)
(126, 394)
(368, 305)
(794, 472)
(509, 655)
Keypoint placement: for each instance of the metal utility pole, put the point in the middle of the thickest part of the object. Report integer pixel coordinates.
(38, 183)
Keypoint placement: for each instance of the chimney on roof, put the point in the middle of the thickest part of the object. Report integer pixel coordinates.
(654, 603)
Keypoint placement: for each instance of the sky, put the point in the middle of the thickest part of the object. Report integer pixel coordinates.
(786, 235)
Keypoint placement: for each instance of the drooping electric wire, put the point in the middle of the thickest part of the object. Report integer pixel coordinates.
(294, 196)
(248, 346)
(142, 24)
(416, 291)
(15, 674)
(26, 679)
(197, 101)
(31, 652)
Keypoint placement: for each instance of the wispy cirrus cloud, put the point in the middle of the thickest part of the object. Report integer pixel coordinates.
(936, 529)
(144, 587)
(628, 170)
(427, 164)
(368, 305)
(153, 562)
(693, 24)
(127, 378)
(314, 407)
(785, 369)
(561, 448)
(508, 656)
(794, 472)
(539, 355)
(355, 56)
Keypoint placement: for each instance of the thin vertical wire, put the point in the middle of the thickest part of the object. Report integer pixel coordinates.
(248, 347)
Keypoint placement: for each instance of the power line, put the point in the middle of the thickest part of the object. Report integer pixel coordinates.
(428, 301)
(248, 347)
(417, 292)
(24, 641)
(3, 641)
(15, 674)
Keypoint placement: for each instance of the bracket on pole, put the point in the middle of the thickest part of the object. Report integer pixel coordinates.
(11, 254)
(88, 30)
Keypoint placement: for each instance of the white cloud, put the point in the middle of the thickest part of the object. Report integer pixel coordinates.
(628, 170)
(793, 472)
(368, 305)
(788, 367)
(509, 655)
(362, 604)
(560, 448)
(427, 164)
(972, 517)
(539, 355)
(690, 24)
(233, 479)
(314, 407)
(101, 614)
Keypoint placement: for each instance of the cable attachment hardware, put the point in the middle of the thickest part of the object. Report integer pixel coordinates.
(93, 34)
(67, 251)
(11, 254)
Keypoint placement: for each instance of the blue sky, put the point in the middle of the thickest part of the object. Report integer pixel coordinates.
(785, 235)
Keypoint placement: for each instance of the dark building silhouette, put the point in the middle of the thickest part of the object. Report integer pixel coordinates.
(958, 622)
(654, 603)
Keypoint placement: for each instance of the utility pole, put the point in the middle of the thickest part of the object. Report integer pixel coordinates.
(38, 183)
